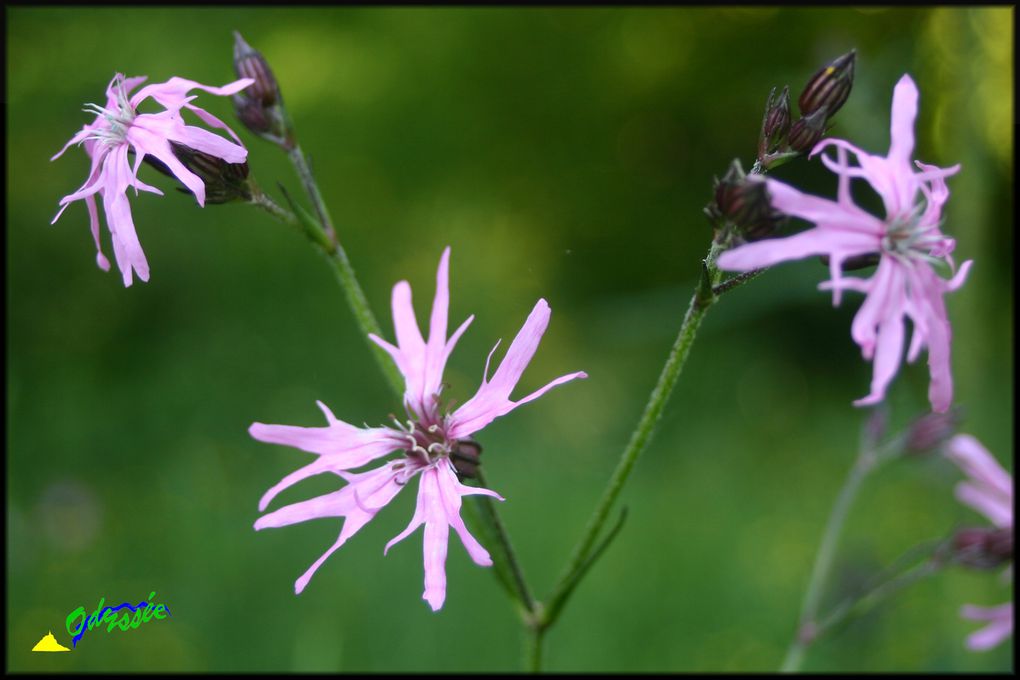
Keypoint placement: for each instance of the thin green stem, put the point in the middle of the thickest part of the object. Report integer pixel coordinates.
(533, 649)
(263, 201)
(739, 279)
(699, 305)
(519, 582)
(807, 628)
(854, 607)
(304, 171)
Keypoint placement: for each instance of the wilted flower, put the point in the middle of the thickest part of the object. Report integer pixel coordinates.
(432, 440)
(989, 490)
(118, 128)
(908, 240)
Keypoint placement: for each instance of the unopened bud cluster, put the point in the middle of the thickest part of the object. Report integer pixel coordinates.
(824, 94)
(260, 106)
(742, 205)
(224, 182)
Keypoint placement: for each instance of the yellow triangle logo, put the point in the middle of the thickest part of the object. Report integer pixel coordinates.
(49, 644)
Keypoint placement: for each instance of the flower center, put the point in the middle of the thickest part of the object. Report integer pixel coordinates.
(906, 237)
(428, 444)
(112, 130)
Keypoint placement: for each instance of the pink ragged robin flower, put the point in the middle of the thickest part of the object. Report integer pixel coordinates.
(989, 490)
(434, 441)
(908, 241)
(118, 128)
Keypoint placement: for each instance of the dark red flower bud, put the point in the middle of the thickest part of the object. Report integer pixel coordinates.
(224, 182)
(260, 106)
(830, 87)
(249, 63)
(931, 430)
(744, 202)
(806, 132)
(983, 548)
(466, 457)
(777, 120)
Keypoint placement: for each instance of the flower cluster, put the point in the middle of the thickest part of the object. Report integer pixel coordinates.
(119, 129)
(908, 241)
(431, 440)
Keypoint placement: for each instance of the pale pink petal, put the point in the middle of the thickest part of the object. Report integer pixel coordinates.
(152, 140)
(127, 249)
(376, 489)
(347, 445)
(817, 241)
(889, 347)
(864, 328)
(999, 628)
(212, 121)
(997, 508)
(980, 465)
(492, 399)
(822, 211)
(411, 344)
(90, 203)
(435, 541)
(173, 93)
(435, 350)
(78, 138)
(901, 128)
(451, 491)
(960, 276)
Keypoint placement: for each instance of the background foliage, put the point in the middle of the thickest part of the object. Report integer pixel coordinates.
(565, 154)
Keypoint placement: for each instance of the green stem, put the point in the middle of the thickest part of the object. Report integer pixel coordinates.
(304, 171)
(855, 607)
(520, 583)
(533, 649)
(807, 628)
(699, 305)
(263, 201)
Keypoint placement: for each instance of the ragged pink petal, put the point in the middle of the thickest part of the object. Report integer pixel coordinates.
(493, 397)
(438, 508)
(358, 502)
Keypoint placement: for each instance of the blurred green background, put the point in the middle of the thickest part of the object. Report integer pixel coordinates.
(565, 154)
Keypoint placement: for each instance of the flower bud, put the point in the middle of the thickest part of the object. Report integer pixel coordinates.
(777, 120)
(855, 262)
(224, 182)
(744, 201)
(806, 132)
(260, 106)
(983, 548)
(830, 87)
(249, 63)
(931, 430)
(466, 457)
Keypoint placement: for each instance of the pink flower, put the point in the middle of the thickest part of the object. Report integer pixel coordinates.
(119, 127)
(433, 440)
(908, 241)
(989, 490)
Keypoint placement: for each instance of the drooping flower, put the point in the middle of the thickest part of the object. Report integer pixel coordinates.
(432, 441)
(118, 128)
(989, 490)
(908, 241)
